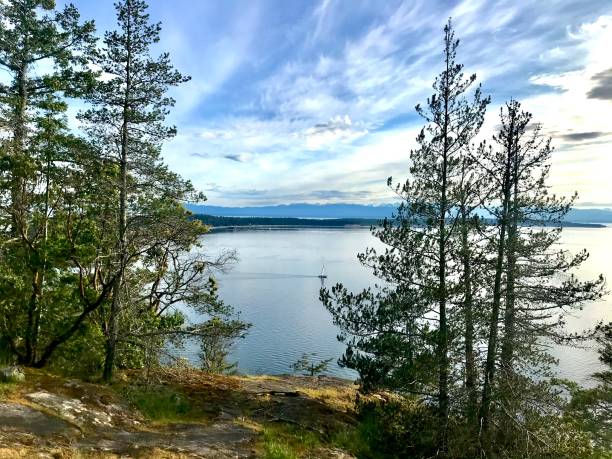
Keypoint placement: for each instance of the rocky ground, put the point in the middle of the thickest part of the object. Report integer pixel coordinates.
(228, 417)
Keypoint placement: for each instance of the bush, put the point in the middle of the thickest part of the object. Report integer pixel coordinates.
(397, 428)
(309, 365)
(82, 355)
(407, 428)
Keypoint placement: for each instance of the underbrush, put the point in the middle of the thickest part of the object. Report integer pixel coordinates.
(7, 388)
(285, 441)
(161, 403)
(406, 427)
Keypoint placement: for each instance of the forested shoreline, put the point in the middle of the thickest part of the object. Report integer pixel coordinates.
(103, 269)
(220, 223)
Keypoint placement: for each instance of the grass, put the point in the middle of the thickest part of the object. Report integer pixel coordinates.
(7, 388)
(161, 404)
(284, 441)
(341, 399)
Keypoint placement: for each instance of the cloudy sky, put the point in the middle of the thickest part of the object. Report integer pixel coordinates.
(313, 100)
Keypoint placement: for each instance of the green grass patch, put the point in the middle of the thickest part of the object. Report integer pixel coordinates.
(7, 388)
(161, 403)
(284, 441)
(351, 440)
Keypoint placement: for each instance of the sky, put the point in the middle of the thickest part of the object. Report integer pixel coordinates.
(313, 100)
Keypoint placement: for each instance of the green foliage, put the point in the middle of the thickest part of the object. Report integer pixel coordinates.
(81, 356)
(591, 408)
(448, 284)
(398, 428)
(42, 168)
(287, 441)
(160, 403)
(216, 340)
(406, 427)
(6, 356)
(7, 388)
(309, 365)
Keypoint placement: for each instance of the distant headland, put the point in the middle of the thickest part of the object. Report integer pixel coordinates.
(342, 215)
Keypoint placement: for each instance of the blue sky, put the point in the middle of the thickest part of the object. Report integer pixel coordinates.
(313, 101)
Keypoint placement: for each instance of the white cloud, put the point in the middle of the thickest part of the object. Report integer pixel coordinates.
(337, 129)
(579, 167)
(313, 126)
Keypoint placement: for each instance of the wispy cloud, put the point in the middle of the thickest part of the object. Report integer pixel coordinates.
(314, 101)
(581, 136)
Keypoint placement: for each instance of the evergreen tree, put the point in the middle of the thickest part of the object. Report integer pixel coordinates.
(405, 329)
(153, 233)
(35, 150)
(129, 108)
(48, 273)
(498, 164)
(32, 32)
(469, 255)
(592, 408)
(534, 287)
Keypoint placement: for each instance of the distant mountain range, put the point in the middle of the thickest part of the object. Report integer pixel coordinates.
(299, 211)
(302, 210)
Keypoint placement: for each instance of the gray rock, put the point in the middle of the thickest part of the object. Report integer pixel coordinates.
(71, 409)
(11, 374)
(15, 417)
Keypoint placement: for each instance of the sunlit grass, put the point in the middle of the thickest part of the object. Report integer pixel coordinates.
(161, 403)
(288, 442)
(341, 398)
(7, 388)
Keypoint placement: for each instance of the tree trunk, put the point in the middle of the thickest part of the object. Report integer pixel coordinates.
(499, 265)
(442, 351)
(507, 349)
(111, 343)
(470, 365)
(113, 331)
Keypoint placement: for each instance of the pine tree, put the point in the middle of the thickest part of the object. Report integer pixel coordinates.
(30, 34)
(405, 328)
(470, 255)
(32, 118)
(127, 120)
(535, 287)
(498, 164)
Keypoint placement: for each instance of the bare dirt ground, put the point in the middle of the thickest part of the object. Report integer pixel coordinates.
(52, 417)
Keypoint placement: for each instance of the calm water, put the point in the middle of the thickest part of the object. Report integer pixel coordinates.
(276, 288)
